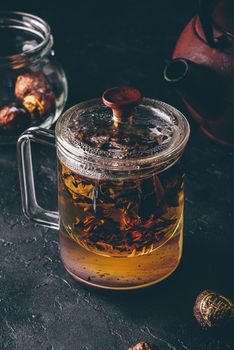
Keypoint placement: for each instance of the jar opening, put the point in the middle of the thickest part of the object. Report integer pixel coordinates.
(23, 38)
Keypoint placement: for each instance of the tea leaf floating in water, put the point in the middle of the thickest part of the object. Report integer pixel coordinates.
(122, 217)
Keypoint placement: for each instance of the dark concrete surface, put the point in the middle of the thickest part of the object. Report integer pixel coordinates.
(102, 44)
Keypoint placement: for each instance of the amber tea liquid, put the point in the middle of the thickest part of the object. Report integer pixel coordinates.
(121, 234)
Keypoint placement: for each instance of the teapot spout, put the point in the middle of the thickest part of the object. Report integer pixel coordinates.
(199, 86)
(176, 70)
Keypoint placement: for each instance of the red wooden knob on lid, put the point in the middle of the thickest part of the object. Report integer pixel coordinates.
(121, 100)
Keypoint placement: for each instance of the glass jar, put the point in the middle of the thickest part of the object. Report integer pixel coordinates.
(120, 188)
(33, 86)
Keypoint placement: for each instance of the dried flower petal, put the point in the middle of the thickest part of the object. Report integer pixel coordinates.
(28, 82)
(35, 93)
(14, 118)
(213, 309)
(77, 188)
(142, 346)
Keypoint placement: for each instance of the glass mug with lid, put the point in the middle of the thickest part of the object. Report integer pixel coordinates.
(120, 188)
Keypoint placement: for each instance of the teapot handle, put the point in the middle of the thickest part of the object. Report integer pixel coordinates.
(29, 201)
(205, 15)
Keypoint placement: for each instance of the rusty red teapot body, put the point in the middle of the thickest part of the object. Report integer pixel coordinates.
(202, 69)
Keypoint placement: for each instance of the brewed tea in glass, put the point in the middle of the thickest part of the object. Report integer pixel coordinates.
(120, 188)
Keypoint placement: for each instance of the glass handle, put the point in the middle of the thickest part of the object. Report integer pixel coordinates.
(29, 201)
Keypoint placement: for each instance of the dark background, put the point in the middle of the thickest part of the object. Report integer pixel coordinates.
(102, 44)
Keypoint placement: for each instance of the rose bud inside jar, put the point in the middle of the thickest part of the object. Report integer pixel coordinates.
(14, 118)
(39, 104)
(28, 82)
(36, 93)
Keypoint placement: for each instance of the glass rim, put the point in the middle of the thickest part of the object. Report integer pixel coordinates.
(169, 154)
(25, 21)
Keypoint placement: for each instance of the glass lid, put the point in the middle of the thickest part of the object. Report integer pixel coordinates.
(122, 125)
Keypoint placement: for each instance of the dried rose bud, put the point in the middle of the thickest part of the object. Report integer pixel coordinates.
(26, 83)
(14, 118)
(39, 103)
(37, 96)
(142, 346)
(213, 309)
